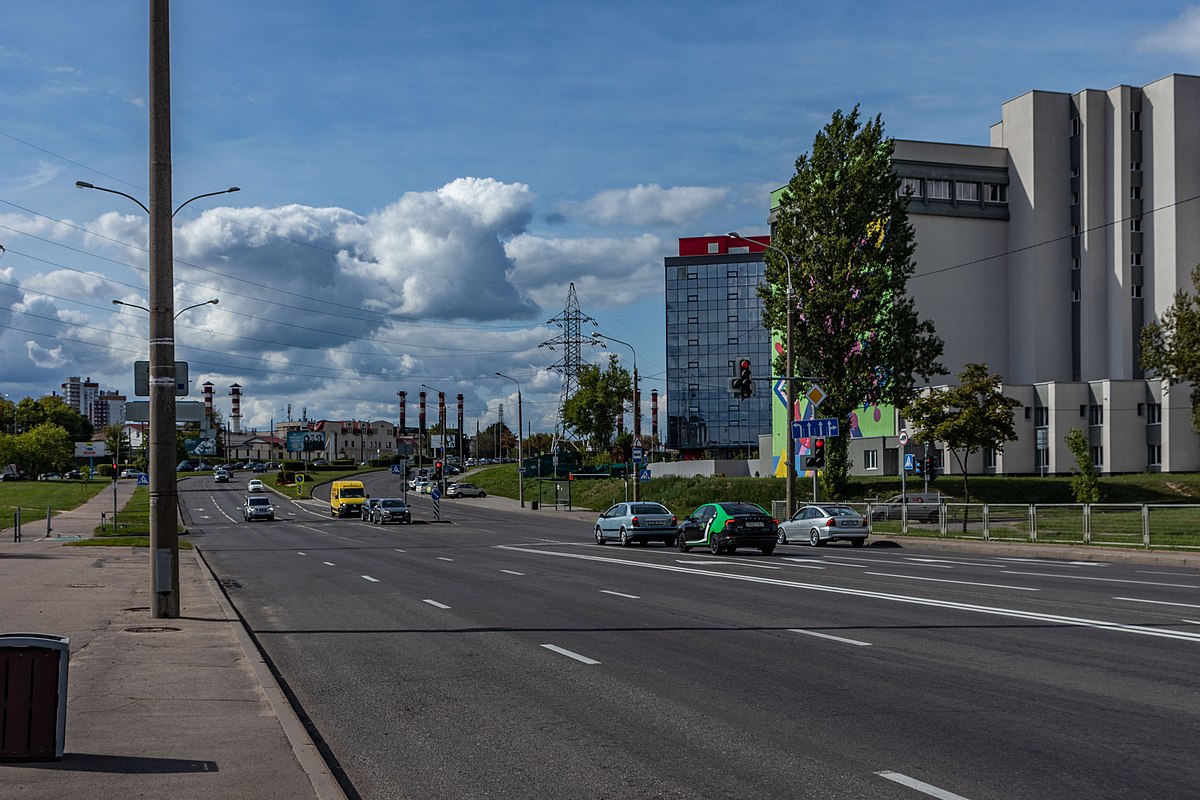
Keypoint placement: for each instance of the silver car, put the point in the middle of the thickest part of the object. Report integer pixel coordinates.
(637, 522)
(464, 490)
(390, 509)
(824, 522)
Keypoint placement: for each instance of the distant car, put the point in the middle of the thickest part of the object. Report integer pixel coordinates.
(922, 507)
(259, 467)
(391, 509)
(464, 490)
(368, 507)
(73, 475)
(255, 485)
(258, 508)
(130, 473)
(725, 527)
(637, 522)
(824, 522)
(320, 462)
(49, 476)
(221, 476)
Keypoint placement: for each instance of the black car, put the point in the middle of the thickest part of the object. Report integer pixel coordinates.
(725, 527)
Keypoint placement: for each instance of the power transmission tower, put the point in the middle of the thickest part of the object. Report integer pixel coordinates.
(570, 341)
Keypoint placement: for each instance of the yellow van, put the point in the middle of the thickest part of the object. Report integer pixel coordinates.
(346, 498)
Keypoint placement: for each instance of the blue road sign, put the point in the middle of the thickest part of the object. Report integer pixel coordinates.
(397, 469)
(910, 462)
(637, 455)
(644, 475)
(805, 428)
(143, 479)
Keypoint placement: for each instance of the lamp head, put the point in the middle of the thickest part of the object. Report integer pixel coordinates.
(83, 185)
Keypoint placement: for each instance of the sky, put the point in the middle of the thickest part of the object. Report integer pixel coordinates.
(422, 183)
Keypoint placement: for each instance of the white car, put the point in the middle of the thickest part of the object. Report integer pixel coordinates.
(255, 485)
(464, 490)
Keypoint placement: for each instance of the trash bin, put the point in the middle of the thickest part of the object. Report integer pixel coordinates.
(533, 504)
(33, 696)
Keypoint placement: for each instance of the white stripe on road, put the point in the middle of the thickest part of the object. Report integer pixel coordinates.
(569, 654)
(369, 578)
(435, 603)
(827, 636)
(329, 564)
(398, 550)
(443, 558)
(621, 594)
(920, 786)
(1191, 621)
(947, 580)
(1156, 602)
(301, 554)
(1105, 580)
(801, 562)
(712, 563)
(512, 572)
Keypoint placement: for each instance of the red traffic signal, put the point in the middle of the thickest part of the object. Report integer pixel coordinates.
(744, 364)
(819, 453)
(744, 382)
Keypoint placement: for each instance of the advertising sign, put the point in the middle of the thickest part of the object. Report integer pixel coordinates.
(305, 441)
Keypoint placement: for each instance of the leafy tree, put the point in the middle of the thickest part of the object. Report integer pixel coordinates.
(52, 409)
(538, 443)
(1085, 483)
(599, 401)
(116, 441)
(494, 440)
(843, 224)
(969, 417)
(1171, 346)
(46, 448)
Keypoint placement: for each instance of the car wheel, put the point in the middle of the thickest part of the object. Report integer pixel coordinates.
(814, 537)
(858, 542)
(766, 551)
(781, 538)
(625, 538)
(714, 545)
(599, 536)
(483, 494)
(681, 543)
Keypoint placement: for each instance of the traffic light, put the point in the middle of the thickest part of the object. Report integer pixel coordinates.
(437, 469)
(744, 382)
(818, 456)
(931, 469)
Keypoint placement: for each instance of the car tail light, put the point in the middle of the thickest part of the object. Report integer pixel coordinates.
(674, 522)
(831, 523)
(635, 522)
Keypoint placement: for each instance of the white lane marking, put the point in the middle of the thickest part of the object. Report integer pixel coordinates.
(369, 578)
(946, 580)
(435, 603)
(945, 563)
(1082, 622)
(1105, 580)
(512, 572)
(329, 564)
(1191, 621)
(301, 554)
(831, 563)
(714, 563)
(800, 562)
(920, 786)
(1157, 572)
(1157, 602)
(398, 550)
(621, 594)
(443, 558)
(569, 654)
(827, 636)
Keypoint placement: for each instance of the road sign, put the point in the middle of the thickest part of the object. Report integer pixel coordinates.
(637, 454)
(397, 469)
(903, 438)
(644, 475)
(910, 462)
(815, 395)
(825, 426)
(143, 479)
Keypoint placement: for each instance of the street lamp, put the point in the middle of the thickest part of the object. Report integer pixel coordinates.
(164, 488)
(637, 413)
(520, 451)
(789, 369)
(212, 302)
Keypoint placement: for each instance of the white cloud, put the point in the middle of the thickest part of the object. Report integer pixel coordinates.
(650, 205)
(1181, 36)
(51, 358)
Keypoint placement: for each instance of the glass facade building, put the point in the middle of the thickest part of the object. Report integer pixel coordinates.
(714, 319)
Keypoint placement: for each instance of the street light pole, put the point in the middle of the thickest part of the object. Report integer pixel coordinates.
(789, 376)
(637, 414)
(520, 450)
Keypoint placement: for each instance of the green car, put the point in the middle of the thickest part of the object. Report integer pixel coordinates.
(724, 527)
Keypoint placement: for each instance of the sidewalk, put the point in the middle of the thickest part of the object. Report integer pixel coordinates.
(156, 707)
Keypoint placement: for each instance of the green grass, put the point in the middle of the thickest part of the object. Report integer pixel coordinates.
(33, 497)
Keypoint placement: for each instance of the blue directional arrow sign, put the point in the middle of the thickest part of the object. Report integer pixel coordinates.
(805, 428)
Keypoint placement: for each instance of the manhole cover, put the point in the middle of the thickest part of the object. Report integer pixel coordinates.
(85, 585)
(230, 583)
(151, 629)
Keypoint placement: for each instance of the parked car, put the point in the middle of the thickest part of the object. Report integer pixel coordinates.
(368, 507)
(725, 527)
(824, 522)
(464, 490)
(49, 476)
(637, 522)
(922, 507)
(73, 475)
(221, 476)
(258, 508)
(130, 473)
(391, 509)
(255, 485)
(258, 467)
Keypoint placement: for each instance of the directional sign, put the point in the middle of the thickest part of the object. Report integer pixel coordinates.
(805, 428)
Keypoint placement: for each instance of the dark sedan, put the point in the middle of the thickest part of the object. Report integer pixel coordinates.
(725, 527)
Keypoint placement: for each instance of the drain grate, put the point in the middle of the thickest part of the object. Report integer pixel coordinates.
(230, 583)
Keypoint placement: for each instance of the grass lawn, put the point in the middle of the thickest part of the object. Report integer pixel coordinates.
(132, 526)
(34, 497)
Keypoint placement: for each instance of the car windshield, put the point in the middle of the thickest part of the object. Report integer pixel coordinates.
(352, 492)
(839, 511)
(259, 501)
(647, 508)
(391, 504)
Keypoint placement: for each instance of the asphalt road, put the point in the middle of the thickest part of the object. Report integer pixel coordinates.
(506, 655)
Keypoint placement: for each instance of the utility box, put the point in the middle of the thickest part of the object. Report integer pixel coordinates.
(33, 696)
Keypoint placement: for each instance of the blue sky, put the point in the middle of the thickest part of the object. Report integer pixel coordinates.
(421, 183)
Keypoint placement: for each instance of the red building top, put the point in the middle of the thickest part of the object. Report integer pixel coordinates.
(721, 245)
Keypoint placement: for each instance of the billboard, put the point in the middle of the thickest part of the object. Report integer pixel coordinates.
(305, 441)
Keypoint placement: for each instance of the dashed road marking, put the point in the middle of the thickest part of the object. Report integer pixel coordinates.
(569, 654)
(832, 638)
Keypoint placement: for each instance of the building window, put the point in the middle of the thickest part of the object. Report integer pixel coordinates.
(693, 365)
(1135, 259)
(1041, 416)
(731, 318)
(1135, 193)
(714, 247)
(989, 458)
(1074, 198)
(1154, 414)
(693, 320)
(1075, 126)
(693, 298)
(693, 343)
(1154, 455)
(1095, 415)
(1135, 120)
(910, 187)
(1135, 166)
(938, 190)
(870, 459)
(996, 192)
(1075, 262)
(731, 273)
(967, 191)
(1043, 458)
(1075, 296)
(1135, 225)
(693, 276)
(1135, 290)
(1098, 456)
(732, 296)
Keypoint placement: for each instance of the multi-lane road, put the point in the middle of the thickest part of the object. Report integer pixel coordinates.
(505, 655)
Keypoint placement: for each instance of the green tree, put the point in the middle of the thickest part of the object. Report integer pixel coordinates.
(599, 400)
(538, 443)
(52, 409)
(116, 441)
(844, 226)
(969, 417)
(1171, 346)
(1085, 483)
(46, 448)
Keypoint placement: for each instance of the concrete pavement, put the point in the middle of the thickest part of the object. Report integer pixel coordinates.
(155, 707)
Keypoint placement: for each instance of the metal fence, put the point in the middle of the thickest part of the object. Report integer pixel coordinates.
(1144, 525)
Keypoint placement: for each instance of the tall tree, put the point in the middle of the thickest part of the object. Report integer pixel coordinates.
(1171, 346)
(598, 402)
(843, 224)
(969, 417)
(116, 441)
